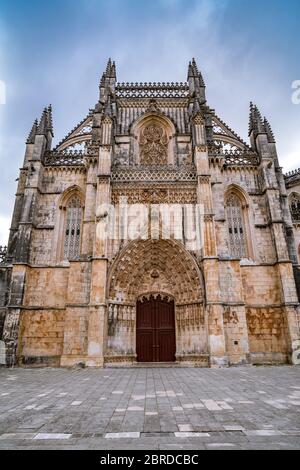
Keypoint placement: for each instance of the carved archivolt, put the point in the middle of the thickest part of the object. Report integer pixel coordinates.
(155, 266)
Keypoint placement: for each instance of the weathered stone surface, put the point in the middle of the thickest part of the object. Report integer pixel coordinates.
(68, 294)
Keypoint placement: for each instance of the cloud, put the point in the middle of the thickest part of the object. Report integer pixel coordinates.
(60, 61)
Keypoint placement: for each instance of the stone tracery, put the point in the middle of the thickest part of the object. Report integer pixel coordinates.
(153, 144)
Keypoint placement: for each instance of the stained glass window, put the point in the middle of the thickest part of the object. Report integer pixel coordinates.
(73, 229)
(236, 227)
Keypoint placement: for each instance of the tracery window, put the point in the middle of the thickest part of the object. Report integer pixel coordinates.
(295, 207)
(236, 227)
(153, 144)
(72, 232)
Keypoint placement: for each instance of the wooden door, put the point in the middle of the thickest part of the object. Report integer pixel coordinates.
(155, 331)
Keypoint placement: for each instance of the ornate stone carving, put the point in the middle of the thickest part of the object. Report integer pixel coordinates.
(152, 106)
(162, 194)
(265, 321)
(104, 179)
(198, 120)
(234, 157)
(294, 201)
(189, 316)
(230, 316)
(149, 90)
(153, 145)
(201, 148)
(204, 179)
(3, 252)
(163, 173)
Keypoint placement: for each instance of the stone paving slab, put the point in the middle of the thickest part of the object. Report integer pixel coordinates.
(150, 408)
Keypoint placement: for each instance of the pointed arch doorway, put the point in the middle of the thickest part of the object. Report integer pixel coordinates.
(155, 329)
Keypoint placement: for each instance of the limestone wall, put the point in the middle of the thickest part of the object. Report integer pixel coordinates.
(41, 333)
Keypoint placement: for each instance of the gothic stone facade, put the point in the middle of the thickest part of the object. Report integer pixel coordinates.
(68, 297)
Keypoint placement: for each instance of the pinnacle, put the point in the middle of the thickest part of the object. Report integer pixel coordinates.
(45, 125)
(49, 119)
(190, 70)
(42, 127)
(32, 133)
(102, 80)
(108, 67)
(269, 131)
(194, 72)
(113, 70)
(194, 64)
(258, 124)
(110, 71)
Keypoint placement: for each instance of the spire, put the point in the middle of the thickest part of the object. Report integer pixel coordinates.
(269, 132)
(102, 80)
(45, 124)
(190, 71)
(42, 127)
(110, 71)
(113, 70)
(196, 82)
(251, 118)
(108, 68)
(197, 73)
(49, 120)
(256, 123)
(32, 133)
(194, 65)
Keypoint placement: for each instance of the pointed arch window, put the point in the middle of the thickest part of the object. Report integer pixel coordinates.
(295, 207)
(72, 229)
(236, 227)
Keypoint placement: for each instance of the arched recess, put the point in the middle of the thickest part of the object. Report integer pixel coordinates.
(68, 223)
(152, 267)
(153, 140)
(294, 204)
(239, 222)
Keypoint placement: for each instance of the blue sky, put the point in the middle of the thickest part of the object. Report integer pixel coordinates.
(54, 52)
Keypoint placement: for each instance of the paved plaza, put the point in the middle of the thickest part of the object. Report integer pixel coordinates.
(150, 408)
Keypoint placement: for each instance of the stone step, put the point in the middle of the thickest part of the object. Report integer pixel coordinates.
(147, 365)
